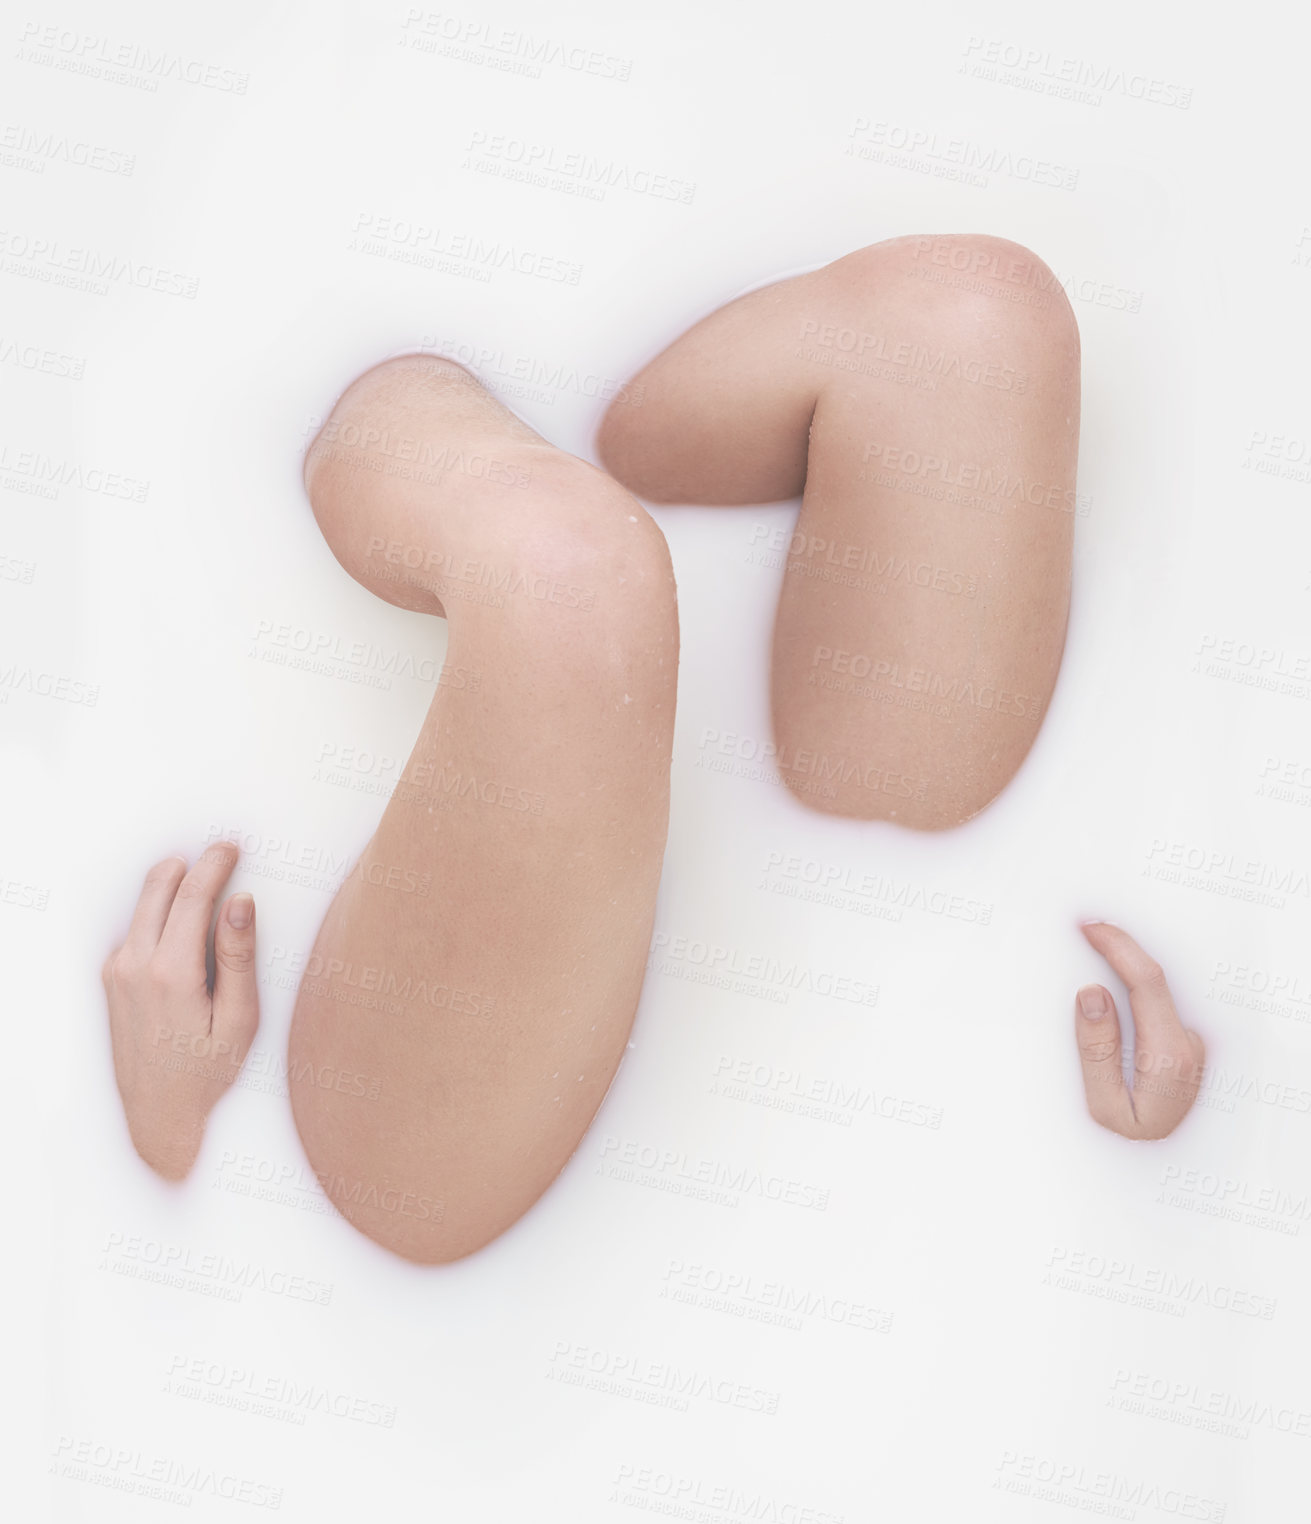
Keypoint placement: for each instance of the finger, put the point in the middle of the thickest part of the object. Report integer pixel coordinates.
(1166, 1081)
(1097, 1033)
(236, 994)
(186, 932)
(154, 904)
(1154, 1017)
(1168, 1059)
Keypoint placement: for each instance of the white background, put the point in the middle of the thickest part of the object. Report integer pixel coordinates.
(978, 1298)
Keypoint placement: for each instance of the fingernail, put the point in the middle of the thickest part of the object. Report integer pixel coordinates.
(1096, 921)
(1092, 1002)
(241, 910)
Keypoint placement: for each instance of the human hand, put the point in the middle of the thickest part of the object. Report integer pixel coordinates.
(177, 1046)
(1168, 1058)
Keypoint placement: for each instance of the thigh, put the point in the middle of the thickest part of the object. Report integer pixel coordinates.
(479, 969)
(923, 394)
(924, 603)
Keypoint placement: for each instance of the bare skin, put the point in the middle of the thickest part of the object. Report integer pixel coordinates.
(490, 1009)
(494, 1009)
(1169, 1059)
(178, 1044)
(922, 397)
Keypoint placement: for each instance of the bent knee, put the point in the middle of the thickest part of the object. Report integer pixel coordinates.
(415, 390)
(973, 279)
(580, 544)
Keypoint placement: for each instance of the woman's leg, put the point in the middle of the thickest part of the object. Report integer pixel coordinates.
(497, 1005)
(923, 394)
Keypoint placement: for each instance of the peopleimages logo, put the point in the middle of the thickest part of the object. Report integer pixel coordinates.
(58, 263)
(720, 961)
(807, 771)
(934, 364)
(48, 472)
(582, 171)
(185, 1266)
(623, 1157)
(1125, 1280)
(709, 1286)
(686, 1497)
(1206, 1402)
(127, 1470)
(369, 448)
(813, 556)
(828, 665)
(234, 1386)
(917, 465)
(1231, 874)
(501, 46)
(630, 1375)
(1262, 989)
(1102, 1492)
(1074, 77)
(91, 53)
(955, 158)
(408, 986)
(1263, 1206)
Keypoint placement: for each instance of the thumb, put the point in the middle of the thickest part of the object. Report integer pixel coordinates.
(236, 995)
(1097, 1033)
